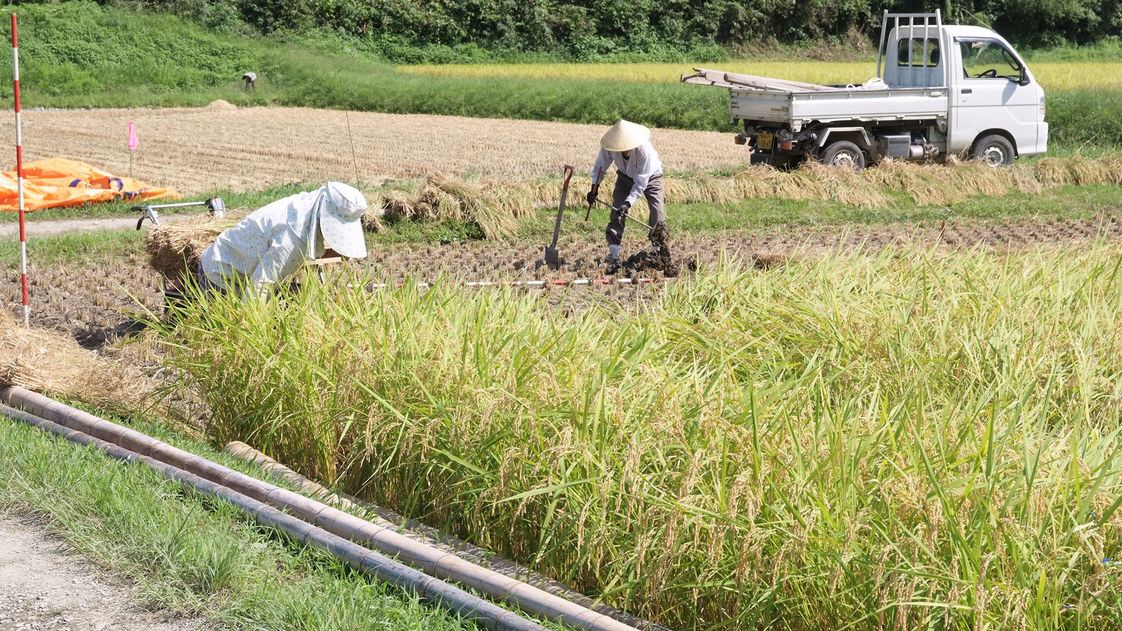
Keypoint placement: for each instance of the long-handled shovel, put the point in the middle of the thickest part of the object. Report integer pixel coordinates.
(551, 256)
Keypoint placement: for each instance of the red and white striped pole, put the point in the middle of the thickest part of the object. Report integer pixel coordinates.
(19, 177)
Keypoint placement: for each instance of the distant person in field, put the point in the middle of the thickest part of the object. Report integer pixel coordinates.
(250, 79)
(638, 174)
(275, 241)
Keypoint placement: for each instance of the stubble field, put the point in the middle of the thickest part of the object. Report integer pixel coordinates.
(100, 301)
(222, 147)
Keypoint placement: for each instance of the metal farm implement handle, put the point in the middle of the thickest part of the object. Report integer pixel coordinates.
(551, 256)
(627, 216)
(215, 206)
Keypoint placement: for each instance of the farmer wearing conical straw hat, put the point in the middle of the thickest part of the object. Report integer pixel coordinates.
(274, 241)
(638, 174)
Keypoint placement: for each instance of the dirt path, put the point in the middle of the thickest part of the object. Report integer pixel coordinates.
(45, 586)
(200, 150)
(67, 226)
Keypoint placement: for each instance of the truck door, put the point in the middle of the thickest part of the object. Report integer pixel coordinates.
(993, 91)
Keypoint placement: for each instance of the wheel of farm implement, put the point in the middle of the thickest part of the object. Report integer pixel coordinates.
(843, 153)
(993, 150)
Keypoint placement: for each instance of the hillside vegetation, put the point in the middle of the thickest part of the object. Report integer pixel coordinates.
(586, 30)
(81, 54)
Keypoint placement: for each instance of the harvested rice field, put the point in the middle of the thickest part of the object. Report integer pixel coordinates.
(98, 303)
(218, 147)
(222, 147)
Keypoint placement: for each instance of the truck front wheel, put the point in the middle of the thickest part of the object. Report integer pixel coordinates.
(994, 151)
(844, 154)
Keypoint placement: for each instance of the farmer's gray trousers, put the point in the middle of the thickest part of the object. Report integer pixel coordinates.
(653, 195)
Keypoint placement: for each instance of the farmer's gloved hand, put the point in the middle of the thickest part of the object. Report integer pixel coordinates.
(622, 210)
(591, 197)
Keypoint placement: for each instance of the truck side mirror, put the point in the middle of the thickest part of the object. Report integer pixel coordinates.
(1024, 80)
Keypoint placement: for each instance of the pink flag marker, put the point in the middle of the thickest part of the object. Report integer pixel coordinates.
(134, 142)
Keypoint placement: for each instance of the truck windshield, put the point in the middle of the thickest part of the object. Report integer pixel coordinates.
(987, 59)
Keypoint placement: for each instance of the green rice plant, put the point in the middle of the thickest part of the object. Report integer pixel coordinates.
(906, 440)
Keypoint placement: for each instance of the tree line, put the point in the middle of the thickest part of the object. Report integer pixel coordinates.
(582, 28)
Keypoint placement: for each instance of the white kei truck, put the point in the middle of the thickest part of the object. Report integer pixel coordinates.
(940, 90)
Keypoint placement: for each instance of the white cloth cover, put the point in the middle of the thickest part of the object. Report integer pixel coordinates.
(274, 241)
(340, 215)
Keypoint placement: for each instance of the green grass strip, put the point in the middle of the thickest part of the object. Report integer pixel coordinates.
(194, 556)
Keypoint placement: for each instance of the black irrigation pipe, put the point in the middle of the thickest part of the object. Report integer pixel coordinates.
(345, 526)
(384, 569)
(430, 536)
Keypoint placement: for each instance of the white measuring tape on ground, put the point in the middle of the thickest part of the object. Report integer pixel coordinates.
(531, 283)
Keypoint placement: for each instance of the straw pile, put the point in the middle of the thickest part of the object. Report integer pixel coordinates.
(175, 248)
(221, 105)
(49, 362)
(496, 206)
(492, 206)
(930, 184)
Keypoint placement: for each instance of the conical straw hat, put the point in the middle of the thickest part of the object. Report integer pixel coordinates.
(624, 136)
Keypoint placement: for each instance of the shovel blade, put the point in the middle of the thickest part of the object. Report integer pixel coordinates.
(551, 256)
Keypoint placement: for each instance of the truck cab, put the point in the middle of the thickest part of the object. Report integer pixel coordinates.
(939, 90)
(995, 108)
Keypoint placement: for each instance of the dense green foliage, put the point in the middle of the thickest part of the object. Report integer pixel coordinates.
(352, 82)
(1079, 118)
(81, 48)
(590, 29)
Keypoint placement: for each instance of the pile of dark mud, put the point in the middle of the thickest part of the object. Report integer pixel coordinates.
(656, 259)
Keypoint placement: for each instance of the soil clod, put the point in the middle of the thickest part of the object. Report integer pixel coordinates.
(658, 258)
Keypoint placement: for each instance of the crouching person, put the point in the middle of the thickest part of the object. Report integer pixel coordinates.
(275, 241)
(627, 146)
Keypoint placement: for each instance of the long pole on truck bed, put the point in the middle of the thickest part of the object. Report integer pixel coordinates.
(19, 177)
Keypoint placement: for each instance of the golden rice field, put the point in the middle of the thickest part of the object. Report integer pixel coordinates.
(1052, 75)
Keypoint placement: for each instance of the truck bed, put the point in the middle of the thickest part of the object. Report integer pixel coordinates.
(795, 103)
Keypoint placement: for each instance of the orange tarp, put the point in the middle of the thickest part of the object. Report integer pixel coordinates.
(60, 182)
